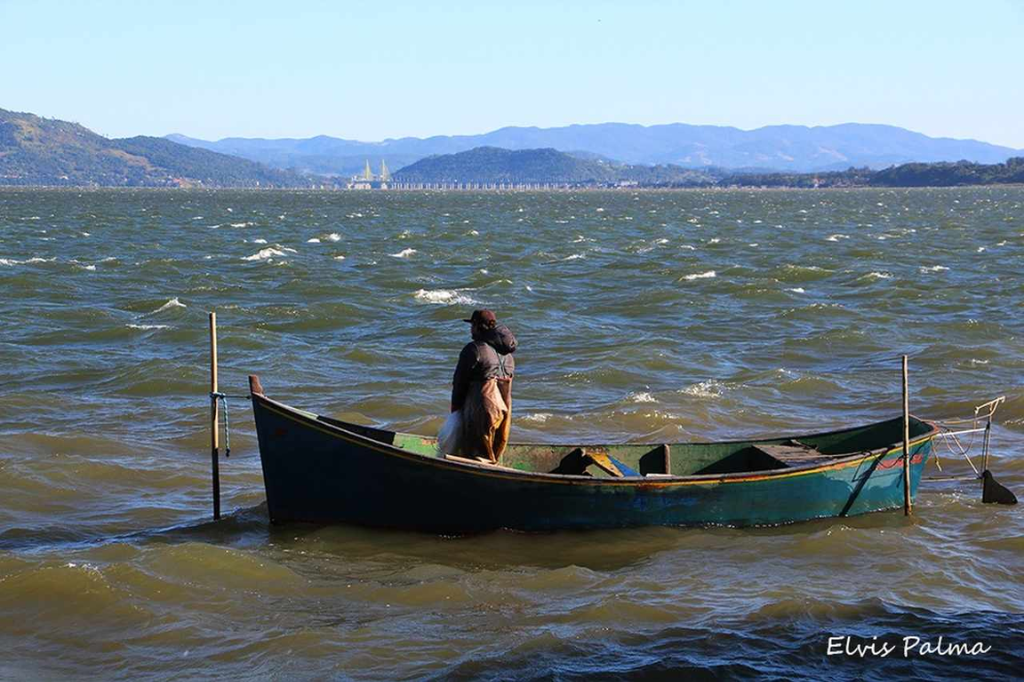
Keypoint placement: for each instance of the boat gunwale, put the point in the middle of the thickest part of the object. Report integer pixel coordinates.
(659, 481)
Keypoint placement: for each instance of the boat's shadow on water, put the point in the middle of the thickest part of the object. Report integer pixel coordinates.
(605, 550)
(249, 528)
(598, 550)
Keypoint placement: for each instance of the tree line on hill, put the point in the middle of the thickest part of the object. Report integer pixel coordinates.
(940, 174)
(493, 165)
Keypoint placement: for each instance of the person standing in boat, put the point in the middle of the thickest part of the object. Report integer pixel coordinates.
(482, 388)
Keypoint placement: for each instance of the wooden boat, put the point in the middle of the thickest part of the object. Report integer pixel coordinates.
(324, 470)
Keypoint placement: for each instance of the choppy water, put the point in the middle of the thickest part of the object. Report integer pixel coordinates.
(649, 316)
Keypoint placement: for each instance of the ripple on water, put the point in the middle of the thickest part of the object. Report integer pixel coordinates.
(668, 327)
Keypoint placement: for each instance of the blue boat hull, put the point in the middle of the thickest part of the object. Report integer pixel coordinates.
(319, 472)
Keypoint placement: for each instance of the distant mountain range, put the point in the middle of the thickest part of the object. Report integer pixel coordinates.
(49, 152)
(782, 148)
(42, 151)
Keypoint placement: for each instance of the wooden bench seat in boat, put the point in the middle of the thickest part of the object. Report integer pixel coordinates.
(794, 454)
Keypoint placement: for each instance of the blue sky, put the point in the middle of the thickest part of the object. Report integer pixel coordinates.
(370, 70)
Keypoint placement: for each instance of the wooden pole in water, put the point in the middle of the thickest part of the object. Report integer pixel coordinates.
(214, 418)
(906, 441)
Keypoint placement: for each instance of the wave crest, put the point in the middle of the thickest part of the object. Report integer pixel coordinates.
(443, 297)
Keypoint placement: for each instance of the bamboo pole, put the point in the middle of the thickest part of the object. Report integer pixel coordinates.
(214, 418)
(907, 507)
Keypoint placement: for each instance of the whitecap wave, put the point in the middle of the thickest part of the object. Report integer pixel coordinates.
(443, 297)
(836, 237)
(705, 389)
(312, 240)
(700, 275)
(877, 275)
(797, 290)
(934, 268)
(333, 237)
(264, 254)
(173, 303)
(147, 327)
(642, 397)
(339, 258)
(404, 253)
(29, 261)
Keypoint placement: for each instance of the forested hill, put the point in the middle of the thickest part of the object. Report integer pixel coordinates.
(494, 165)
(950, 174)
(940, 174)
(49, 152)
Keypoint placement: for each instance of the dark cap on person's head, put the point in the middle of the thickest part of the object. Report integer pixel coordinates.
(483, 317)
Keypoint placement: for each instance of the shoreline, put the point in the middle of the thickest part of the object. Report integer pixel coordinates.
(510, 190)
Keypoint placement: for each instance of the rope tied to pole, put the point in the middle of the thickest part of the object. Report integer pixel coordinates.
(981, 422)
(223, 399)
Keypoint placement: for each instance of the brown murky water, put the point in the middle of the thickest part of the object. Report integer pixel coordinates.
(654, 316)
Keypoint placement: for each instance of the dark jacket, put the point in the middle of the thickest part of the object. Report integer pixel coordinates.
(489, 357)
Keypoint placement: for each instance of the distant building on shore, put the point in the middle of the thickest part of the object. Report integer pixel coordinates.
(367, 180)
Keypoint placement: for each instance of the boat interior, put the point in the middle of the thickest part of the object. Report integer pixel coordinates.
(671, 459)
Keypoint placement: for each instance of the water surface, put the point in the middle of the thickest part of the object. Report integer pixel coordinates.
(645, 316)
